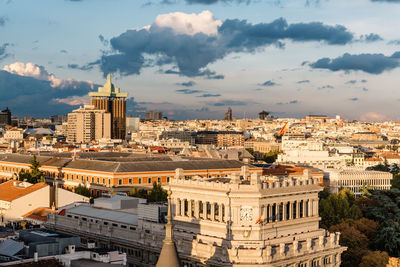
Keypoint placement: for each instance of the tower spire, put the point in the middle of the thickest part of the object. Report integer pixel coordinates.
(168, 256)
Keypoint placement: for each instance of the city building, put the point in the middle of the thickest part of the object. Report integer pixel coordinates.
(18, 199)
(228, 139)
(356, 180)
(228, 114)
(88, 124)
(241, 220)
(119, 172)
(153, 115)
(110, 99)
(263, 115)
(132, 124)
(5, 117)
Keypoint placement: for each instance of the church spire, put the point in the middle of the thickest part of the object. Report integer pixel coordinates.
(168, 256)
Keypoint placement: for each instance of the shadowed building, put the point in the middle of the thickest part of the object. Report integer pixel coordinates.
(110, 99)
(5, 117)
(228, 115)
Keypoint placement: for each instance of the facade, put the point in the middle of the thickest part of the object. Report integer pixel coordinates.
(103, 175)
(355, 180)
(5, 117)
(109, 99)
(14, 134)
(88, 124)
(227, 139)
(263, 115)
(153, 115)
(253, 221)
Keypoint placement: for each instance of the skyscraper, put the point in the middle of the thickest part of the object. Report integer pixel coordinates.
(110, 99)
(5, 117)
(228, 114)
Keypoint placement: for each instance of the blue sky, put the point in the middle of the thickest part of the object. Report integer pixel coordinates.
(290, 57)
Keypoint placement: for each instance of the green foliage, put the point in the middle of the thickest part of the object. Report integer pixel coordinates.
(375, 259)
(396, 181)
(156, 194)
(338, 207)
(34, 175)
(388, 238)
(83, 190)
(271, 156)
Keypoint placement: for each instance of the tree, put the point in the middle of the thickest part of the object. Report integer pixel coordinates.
(271, 156)
(34, 175)
(375, 259)
(157, 194)
(83, 190)
(388, 238)
(396, 181)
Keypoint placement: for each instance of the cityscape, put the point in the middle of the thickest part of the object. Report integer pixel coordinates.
(199, 133)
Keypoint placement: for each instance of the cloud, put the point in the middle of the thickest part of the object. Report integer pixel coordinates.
(369, 38)
(28, 89)
(223, 103)
(291, 102)
(3, 51)
(209, 95)
(3, 21)
(103, 40)
(365, 89)
(364, 81)
(303, 81)
(193, 41)
(210, 2)
(188, 91)
(373, 116)
(88, 66)
(370, 63)
(353, 99)
(269, 83)
(351, 82)
(187, 84)
(394, 42)
(328, 86)
(64, 51)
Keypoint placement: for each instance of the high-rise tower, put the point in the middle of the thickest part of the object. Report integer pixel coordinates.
(110, 99)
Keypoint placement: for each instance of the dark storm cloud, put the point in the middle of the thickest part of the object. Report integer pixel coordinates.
(370, 63)
(269, 83)
(30, 96)
(64, 51)
(187, 84)
(188, 91)
(192, 53)
(394, 42)
(209, 95)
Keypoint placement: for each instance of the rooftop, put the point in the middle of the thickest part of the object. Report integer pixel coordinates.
(10, 192)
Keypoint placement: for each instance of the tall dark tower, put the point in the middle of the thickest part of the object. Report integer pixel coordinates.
(109, 98)
(228, 115)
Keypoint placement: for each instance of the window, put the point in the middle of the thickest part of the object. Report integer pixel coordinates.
(120, 181)
(140, 180)
(115, 225)
(123, 226)
(132, 228)
(98, 179)
(130, 180)
(159, 179)
(105, 223)
(167, 179)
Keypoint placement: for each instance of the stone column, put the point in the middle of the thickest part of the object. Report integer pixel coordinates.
(270, 213)
(205, 210)
(178, 207)
(290, 210)
(190, 208)
(196, 209)
(212, 215)
(284, 210)
(183, 207)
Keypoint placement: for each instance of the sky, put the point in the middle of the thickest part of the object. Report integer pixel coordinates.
(192, 59)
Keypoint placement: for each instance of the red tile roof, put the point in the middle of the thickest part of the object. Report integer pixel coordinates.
(10, 192)
(39, 214)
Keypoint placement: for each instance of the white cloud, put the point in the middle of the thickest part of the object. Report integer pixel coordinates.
(39, 72)
(190, 24)
(74, 100)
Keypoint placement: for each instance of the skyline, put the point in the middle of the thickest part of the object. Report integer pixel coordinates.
(291, 58)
